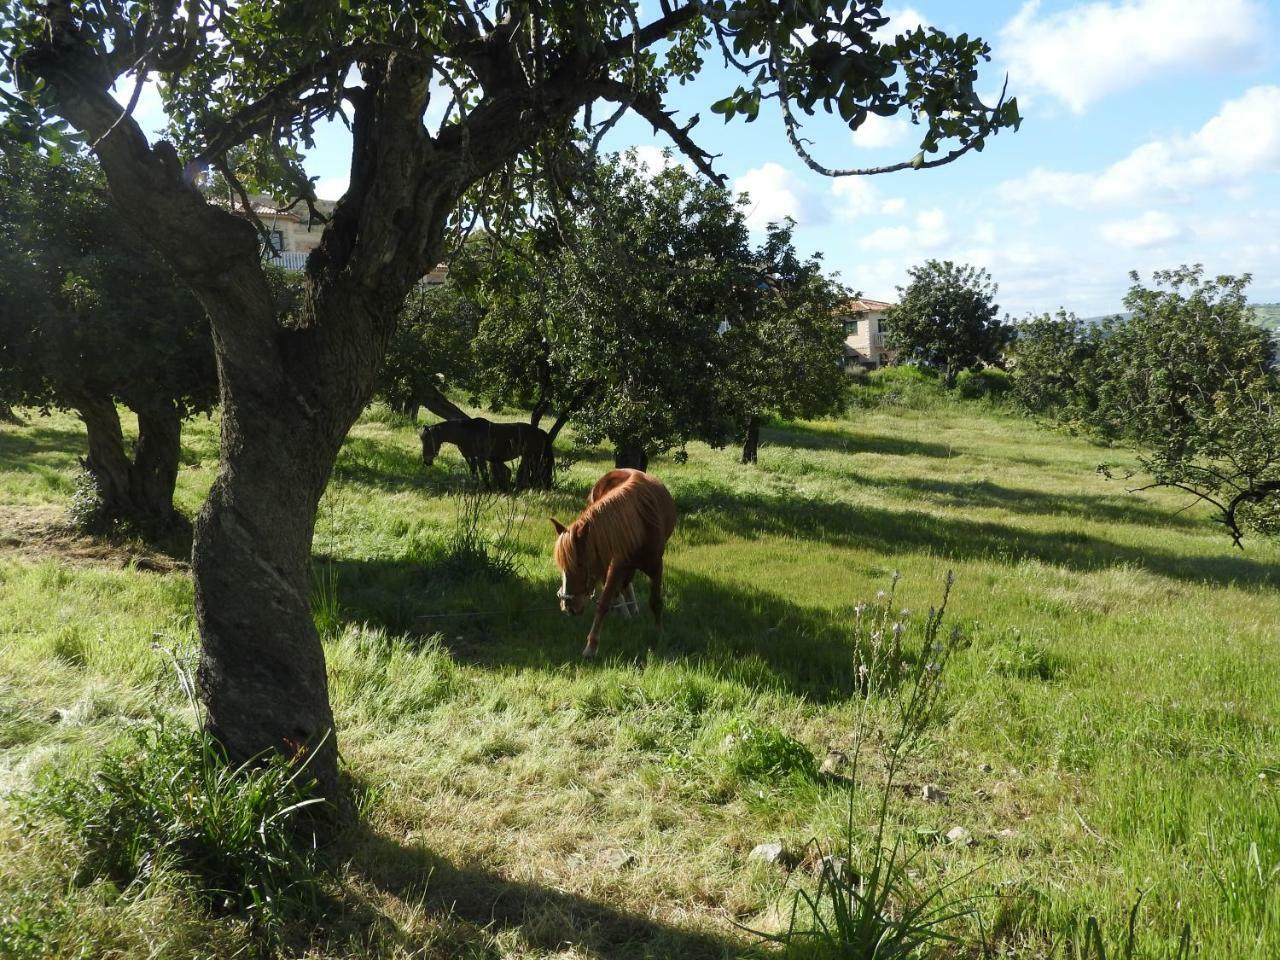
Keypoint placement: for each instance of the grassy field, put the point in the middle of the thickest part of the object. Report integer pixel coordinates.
(1110, 724)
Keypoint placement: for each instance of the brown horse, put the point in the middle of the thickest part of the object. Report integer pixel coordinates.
(487, 446)
(629, 518)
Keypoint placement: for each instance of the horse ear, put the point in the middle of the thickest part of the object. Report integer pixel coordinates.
(560, 527)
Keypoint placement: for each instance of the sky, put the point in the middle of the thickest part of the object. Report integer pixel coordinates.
(1150, 138)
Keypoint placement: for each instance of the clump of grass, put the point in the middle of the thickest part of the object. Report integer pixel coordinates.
(869, 906)
(1093, 946)
(326, 610)
(759, 752)
(170, 806)
(472, 551)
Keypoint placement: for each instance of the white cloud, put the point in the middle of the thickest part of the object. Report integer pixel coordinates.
(858, 197)
(655, 159)
(878, 132)
(984, 232)
(1154, 228)
(1241, 140)
(929, 231)
(1082, 54)
(904, 20)
(776, 193)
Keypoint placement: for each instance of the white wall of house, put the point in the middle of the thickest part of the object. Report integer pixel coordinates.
(864, 328)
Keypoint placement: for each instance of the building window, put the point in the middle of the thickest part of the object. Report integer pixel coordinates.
(851, 328)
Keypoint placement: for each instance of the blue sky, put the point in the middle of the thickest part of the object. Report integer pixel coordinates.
(1151, 137)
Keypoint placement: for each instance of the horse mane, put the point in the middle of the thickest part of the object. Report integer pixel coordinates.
(611, 528)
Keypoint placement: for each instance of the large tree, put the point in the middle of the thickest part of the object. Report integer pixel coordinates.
(91, 317)
(786, 346)
(1190, 379)
(699, 335)
(948, 318)
(245, 86)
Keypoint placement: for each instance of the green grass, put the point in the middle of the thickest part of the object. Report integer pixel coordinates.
(1110, 723)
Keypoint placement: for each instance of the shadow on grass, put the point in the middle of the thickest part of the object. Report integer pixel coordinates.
(848, 441)
(983, 494)
(546, 919)
(708, 508)
(760, 639)
(36, 447)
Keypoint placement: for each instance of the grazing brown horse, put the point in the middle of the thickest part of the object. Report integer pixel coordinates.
(487, 446)
(629, 518)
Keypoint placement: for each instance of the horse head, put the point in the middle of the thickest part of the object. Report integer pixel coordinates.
(575, 582)
(430, 446)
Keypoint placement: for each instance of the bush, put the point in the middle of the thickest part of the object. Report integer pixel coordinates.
(989, 383)
(85, 511)
(901, 386)
(762, 753)
(172, 806)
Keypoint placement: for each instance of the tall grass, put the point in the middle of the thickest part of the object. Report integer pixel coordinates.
(484, 542)
(869, 905)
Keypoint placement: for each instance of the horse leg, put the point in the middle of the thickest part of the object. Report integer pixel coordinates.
(626, 604)
(501, 475)
(655, 591)
(612, 584)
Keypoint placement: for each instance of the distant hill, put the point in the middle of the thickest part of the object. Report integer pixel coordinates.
(1268, 315)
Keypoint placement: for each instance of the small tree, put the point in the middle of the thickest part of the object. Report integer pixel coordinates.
(946, 317)
(1054, 366)
(91, 317)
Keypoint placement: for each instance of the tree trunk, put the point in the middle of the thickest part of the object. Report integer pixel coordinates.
(154, 472)
(141, 490)
(262, 669)
(751, 446)
(107, 461)
(433, 399)
(8, 416)
(630, 455)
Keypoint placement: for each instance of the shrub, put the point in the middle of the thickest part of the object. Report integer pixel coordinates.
(86, 512)
(906, 385)
(989, 383)
(759, 752)
(171, 805)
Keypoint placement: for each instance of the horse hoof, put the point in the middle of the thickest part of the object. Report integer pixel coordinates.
(589, 653)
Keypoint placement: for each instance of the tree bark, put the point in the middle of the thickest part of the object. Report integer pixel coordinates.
(138, 490)
(8, 416)
(433, 399)
(107, 461)
(154, 472)
(631, 455)
(751, 445)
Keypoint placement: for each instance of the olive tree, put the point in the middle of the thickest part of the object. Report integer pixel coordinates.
(245, 86)
(91, 317)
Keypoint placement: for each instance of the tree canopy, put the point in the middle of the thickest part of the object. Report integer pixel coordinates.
(91, 317)
(947, 317)
(510, 90)
(651, 319)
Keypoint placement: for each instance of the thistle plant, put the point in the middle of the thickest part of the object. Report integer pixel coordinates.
(870, 906)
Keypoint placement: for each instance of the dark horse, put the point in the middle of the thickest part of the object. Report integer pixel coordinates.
(487, 446)
(630, 516)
